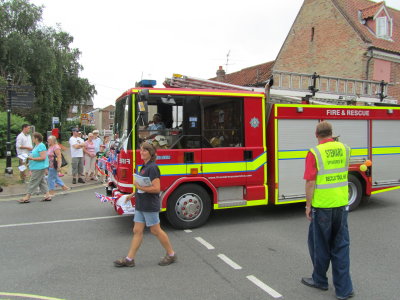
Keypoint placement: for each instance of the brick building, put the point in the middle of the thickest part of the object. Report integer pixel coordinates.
(357, 39)
(76, 109)
(104, 119)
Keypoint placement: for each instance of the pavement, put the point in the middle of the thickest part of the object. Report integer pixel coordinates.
(20, 189)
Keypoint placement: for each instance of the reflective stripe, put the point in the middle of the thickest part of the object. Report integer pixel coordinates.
(331, 185)
(212, 168)
(318, 158)
(332, 171)
(186, 92)
(292, 154)
(386, 150)
(359, 152)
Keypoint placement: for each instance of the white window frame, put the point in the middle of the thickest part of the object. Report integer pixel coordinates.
(111, 126)
(382, 27)
(111, 114)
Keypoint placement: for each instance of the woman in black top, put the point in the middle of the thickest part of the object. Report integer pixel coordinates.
(147, 210)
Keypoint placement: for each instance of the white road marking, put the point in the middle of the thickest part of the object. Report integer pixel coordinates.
(204, 243)
(229, 261)
(264, 287)
(188, 230)
(59, 221)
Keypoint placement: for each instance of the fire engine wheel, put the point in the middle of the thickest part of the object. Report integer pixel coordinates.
(188, 207)
(355, 192)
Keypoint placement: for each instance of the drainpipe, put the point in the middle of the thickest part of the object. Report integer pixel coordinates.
(370, 53)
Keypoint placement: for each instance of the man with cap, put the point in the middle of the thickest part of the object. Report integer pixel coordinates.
(77, 145)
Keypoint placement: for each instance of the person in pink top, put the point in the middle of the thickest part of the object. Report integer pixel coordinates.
(53, 179)
(90, 157)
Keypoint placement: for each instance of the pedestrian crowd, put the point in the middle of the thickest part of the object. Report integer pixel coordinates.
(40, 166)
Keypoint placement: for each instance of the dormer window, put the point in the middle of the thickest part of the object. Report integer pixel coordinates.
(382, 27)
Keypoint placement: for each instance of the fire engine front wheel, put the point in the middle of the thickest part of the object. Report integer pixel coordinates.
(188, 207)
(355, 192)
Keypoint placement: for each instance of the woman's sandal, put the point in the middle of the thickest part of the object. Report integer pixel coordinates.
(23, 200)
(46, 199)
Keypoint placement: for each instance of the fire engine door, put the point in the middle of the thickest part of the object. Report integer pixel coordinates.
(223, 153)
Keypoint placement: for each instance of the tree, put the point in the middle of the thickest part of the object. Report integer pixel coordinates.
(16, 126)
(40, 56)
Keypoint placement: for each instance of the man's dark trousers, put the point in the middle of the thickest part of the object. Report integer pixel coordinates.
(328, 240)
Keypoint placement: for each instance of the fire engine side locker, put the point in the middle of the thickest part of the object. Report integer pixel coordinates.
(295, 135)
(371, 132)
(385, 154)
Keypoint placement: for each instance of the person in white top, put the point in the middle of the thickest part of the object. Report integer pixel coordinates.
(77, 145)
(24, 145)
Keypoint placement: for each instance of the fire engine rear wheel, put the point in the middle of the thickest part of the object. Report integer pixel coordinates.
(188, 207)
(355, 192)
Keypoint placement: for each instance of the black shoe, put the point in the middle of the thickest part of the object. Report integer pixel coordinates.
(347, 297)
(73, 180)
(80, 180)
(310, 282)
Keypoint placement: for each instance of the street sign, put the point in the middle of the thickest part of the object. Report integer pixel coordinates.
(85, 119)
(55, 120)
(22, 96)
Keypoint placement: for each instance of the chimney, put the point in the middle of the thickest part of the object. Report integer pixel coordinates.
(220, 74)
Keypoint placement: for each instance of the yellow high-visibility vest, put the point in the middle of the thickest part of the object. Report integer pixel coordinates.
(331, 186)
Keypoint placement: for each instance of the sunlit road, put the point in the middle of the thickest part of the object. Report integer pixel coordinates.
(64, 250)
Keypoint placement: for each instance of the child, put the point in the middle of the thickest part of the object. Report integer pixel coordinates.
(101, 163)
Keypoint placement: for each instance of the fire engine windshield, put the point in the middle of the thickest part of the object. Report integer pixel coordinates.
(161, 121)
(122, 126)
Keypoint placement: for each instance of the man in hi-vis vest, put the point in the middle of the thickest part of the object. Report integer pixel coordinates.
(327, 208)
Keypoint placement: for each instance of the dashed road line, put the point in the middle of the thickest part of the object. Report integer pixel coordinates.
(270, 291)
(229, 261)
(59, 221)
(204, 243)
(264, 287)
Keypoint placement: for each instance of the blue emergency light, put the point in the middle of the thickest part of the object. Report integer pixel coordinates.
(147, 83)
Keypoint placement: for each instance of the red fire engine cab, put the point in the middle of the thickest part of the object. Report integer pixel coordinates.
(227, 148)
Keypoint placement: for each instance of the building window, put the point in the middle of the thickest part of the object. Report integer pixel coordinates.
(382, 27)
(111, 115)
(312, 34)
(111, 126)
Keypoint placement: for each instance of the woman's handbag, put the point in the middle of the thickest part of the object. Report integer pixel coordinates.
(63, 161)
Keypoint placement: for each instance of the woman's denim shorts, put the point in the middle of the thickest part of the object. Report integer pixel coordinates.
(150, 218)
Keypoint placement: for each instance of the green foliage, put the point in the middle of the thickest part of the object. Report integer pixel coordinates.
(67, 126)
(16, 125)
(42, 57)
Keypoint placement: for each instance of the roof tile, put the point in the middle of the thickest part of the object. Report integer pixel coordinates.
(351, 9)
(251, 76)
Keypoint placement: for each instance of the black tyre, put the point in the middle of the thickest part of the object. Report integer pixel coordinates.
(188, 207)
(355, 192)
(109, 190)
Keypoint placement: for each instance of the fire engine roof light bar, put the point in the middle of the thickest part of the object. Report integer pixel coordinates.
(147, 83)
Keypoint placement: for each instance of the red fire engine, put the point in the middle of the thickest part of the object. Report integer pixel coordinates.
(226, 148)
